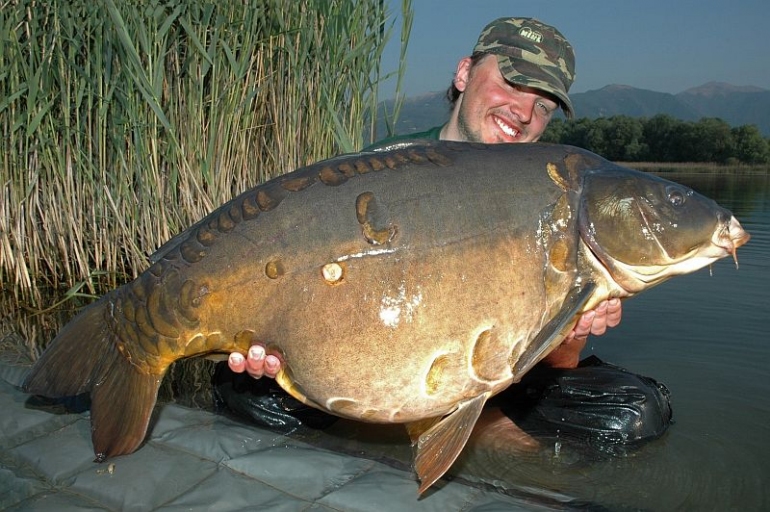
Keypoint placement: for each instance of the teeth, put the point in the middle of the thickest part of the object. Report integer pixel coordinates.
(506, 129)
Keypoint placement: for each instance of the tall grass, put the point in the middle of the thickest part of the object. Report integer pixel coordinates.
(123, 122)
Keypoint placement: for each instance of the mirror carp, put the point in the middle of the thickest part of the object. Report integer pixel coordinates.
(404, 286)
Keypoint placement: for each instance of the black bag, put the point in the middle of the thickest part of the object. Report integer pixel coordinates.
(597, 402)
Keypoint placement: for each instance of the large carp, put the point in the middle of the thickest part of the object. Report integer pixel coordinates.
(406, 286)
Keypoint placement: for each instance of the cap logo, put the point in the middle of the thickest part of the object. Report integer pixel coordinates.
(530, 34)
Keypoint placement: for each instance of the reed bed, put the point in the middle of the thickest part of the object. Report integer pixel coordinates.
(121, 123)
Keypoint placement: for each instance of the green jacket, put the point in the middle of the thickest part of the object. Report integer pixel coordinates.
(432, 134)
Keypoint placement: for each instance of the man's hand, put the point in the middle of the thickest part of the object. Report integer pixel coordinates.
(567, 355)
(258, 364)
(607, 314)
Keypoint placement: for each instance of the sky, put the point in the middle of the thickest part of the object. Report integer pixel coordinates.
(660, 45)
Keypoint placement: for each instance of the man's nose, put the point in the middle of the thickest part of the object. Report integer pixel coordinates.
(523, 106)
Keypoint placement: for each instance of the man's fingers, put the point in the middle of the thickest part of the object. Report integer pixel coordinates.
(614, 312)
(606, 314)
(272, 366)
(255, 361)
(583, 327)
(237, 362)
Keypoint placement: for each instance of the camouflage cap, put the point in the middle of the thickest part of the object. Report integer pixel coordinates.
(533, 54)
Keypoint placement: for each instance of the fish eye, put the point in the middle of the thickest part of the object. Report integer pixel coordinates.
(675, 196)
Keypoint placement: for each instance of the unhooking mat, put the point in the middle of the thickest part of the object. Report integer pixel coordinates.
(198, 460)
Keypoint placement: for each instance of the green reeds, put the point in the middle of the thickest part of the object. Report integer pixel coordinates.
(121, 123)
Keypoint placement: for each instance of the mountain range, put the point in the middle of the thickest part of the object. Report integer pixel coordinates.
(736, 105)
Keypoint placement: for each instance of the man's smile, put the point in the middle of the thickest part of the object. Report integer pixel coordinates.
(506, 128)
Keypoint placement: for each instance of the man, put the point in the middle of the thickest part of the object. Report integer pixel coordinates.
(507, 91)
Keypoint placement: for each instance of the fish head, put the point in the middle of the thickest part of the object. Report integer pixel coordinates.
(643, 229)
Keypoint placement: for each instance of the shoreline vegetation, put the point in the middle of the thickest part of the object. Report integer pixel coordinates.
(662, 138)
(697, 167)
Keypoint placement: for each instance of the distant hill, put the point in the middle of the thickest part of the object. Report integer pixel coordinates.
(418, 113)
(616, 99)
(737, 105)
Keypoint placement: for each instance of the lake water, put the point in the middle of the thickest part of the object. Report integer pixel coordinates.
(705, 337)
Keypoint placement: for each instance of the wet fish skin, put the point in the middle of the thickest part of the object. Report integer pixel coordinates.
(407, 286)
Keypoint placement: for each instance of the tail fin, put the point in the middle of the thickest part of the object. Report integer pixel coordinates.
(84, 357)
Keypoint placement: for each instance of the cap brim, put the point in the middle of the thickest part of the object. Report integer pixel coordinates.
(523, 72)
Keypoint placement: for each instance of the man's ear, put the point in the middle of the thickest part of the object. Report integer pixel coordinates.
(462, 73)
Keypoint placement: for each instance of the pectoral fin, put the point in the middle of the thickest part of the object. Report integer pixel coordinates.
(418, 428)
(438, 447)
(553, 332)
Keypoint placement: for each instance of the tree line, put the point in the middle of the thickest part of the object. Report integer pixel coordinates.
(663, 138)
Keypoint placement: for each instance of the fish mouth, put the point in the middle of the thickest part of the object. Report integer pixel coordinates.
(730, 237)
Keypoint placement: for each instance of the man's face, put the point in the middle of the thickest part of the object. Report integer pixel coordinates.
(493, 110)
